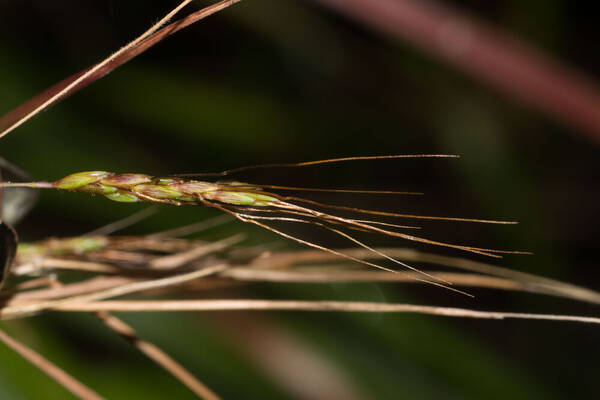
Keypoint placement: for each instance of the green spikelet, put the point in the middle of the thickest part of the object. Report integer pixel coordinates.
(80, 180)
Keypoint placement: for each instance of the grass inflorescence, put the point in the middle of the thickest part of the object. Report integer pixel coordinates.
(252, 203)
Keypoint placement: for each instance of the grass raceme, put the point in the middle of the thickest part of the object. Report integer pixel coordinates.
(251, 203)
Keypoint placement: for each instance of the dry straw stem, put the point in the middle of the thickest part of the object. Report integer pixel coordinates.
(30, 284)
(153, 352)
(192, 228)
(158, 356)
(124, 222)
(293, 305)
(256, 266)
(50, 369)
(50, 263)
(67, 290)
(122, 290)
(99, 288)
(52, 95)
(160, 244)
(179, 259)
(268, 267)
(325, 274)
(283, 267)
(126, 262)
(331, 275)
(529, 282)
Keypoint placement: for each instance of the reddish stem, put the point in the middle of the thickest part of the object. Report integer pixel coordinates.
(486, 53)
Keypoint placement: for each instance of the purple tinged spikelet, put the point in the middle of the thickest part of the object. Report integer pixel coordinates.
(241, 198)
(195, 187)
(157, 191)
(126, 181)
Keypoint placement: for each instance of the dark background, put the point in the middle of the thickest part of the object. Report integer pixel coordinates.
(270, 81)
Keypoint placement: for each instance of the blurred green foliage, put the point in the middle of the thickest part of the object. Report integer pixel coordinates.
(285, 81)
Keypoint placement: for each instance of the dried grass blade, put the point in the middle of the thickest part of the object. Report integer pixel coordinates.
(193, 228)
(29, 284)
(259, 274)
(179, 259)
(134, 287)
(59, 263)
(124, 222)
(533, 282)
(158, 356)
(69, 289)
(326, 275)
(50, 369)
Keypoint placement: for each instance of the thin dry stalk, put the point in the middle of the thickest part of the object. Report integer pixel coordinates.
(121, 258)
(192, 228)
(245, 274)
(268, 268)
(50, 369)
(25, 111)
(157, 355)
(153, 352)
(534, 282)
(293, 305)
(97, 67)
(30, 284)
(124, 222)
(67, 290)
(332, 275)
(51, 263)
(21, 310)
(157, 244)
(179, 259)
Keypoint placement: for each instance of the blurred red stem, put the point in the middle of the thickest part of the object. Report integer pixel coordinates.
(486, 53)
